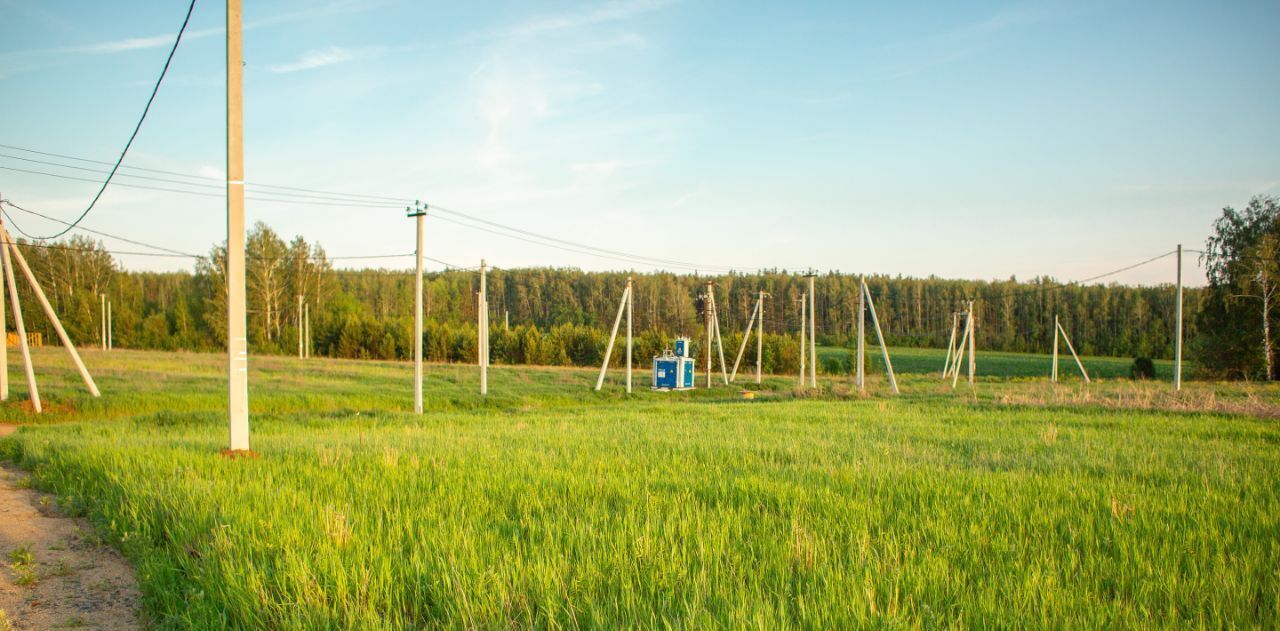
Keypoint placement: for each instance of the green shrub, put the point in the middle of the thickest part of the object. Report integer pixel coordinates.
(1143, 368)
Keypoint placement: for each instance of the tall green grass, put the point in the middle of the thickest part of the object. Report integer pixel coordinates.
(548, 505)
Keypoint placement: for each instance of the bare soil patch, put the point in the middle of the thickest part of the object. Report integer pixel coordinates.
(53, 572)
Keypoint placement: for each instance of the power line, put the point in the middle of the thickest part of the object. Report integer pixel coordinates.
(136, 128)
(84, 229)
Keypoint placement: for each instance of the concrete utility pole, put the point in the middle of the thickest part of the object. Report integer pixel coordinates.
(715, 319)
(1053, 376)
(760, 338)
(110, 329)
(625, 305)
(951, 345)
(102, 321)
(813, 335)
(630, 302)
(301, 336)
(973, 344)
(804, 323)
(884, 346)
(862, 339)
(32, 390)
(4, 342)
(706, 315)
(1177, 353)
(482, 314)
(417, 212)
(237, 322)
(306, 319)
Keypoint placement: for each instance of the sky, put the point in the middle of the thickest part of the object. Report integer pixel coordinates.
(965, 140)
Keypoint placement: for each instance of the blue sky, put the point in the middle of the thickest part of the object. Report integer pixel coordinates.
(974, 140)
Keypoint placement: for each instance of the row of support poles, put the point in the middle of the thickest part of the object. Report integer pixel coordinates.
(9, 255)
(884, 346)
(623, 306)
(757, 317)
(482, 328)
(237, 319)
(418, 213)
(968, 343)
(1059, 331)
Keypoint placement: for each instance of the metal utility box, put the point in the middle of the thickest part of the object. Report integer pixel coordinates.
(671, 372)
(682, 347)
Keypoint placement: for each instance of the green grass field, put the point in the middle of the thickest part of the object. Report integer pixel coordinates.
(997, 365)
(1014, 505)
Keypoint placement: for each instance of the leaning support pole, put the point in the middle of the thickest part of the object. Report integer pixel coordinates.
(32, 389)
(1071, 348)
(751, 323)
(51, 315)
(715, 318)
(951, 345)
(964, 341)
(608, 350)
(973, 343)
(884, 347)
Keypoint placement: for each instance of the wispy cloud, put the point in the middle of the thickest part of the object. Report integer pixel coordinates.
(612, 11)
(928, 52)
(321, 57)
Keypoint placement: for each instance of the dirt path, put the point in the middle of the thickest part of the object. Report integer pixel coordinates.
(52, 573)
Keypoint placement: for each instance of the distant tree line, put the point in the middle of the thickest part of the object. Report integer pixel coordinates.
(561, 316)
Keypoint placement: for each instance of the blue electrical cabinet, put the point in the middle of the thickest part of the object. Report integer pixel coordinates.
(672, 372)
(682, 347)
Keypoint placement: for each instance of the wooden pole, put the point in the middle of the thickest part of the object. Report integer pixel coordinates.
(608, 350)
(862, 341)
(1071, 348)
(804, 321)
(237, 321)
(50, 314)
(1177, 352)
(759, 338)
(32, 389)
(884, 347)
(813, 335)
(746, 337)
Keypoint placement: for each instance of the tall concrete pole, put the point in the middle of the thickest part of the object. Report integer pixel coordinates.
(813, 336)
(973, 344)
(483, 316)
(630, 303)
(102, 321)
(760, 337)
(4, 343)
(237, 322)
(1177, 353)
(301, 334)
(1053, 376)
(306, 320)
(862, 339)
(706, 315)
(110, 329)
(32, 390)
(418, 213)
(804, 324)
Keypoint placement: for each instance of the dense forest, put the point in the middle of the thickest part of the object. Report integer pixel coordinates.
(561, 316)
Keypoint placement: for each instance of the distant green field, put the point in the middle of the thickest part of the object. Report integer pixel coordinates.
(994, 364)
(1014, 505)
